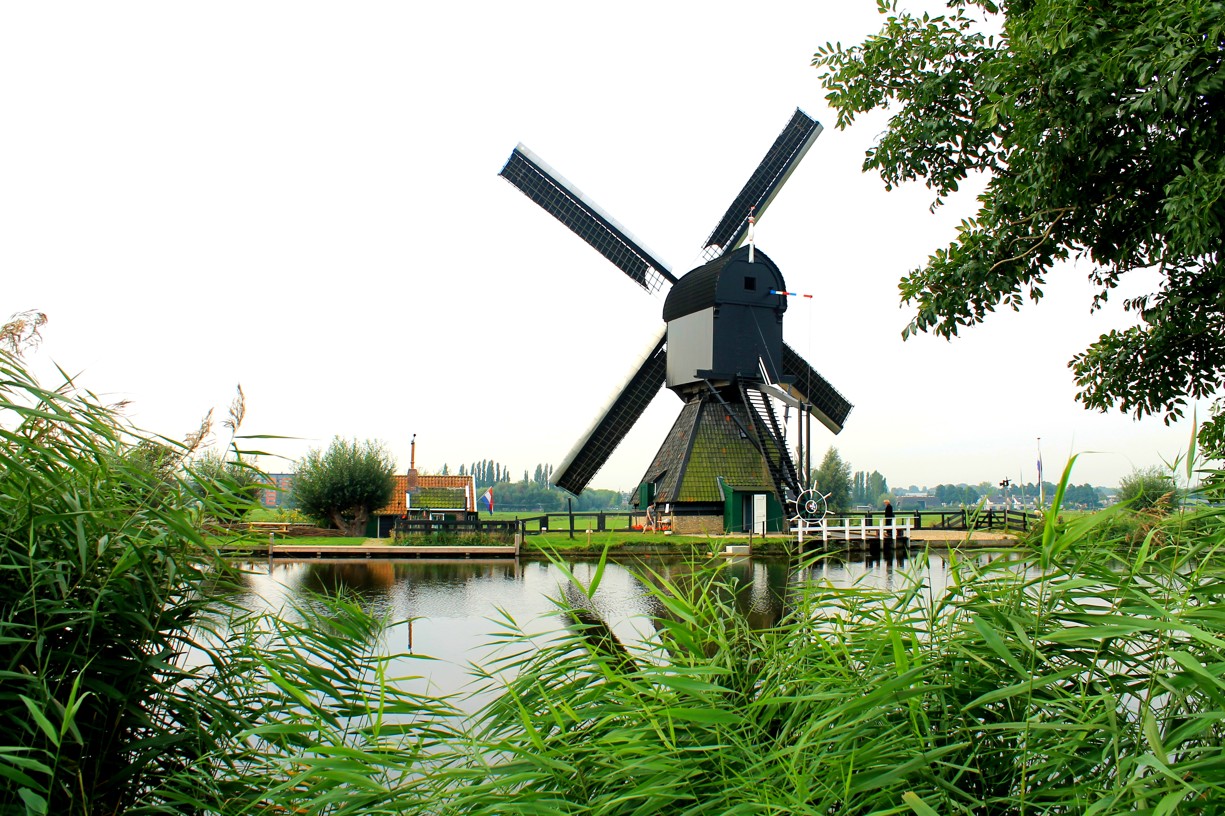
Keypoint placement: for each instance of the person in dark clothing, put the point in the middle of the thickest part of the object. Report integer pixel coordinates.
(888, 520)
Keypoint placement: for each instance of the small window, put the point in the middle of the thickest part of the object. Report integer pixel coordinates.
(750, 283)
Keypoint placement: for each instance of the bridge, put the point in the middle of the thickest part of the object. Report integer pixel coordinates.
(872, 525)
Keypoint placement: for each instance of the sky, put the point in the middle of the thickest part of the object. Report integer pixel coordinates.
(302, 198)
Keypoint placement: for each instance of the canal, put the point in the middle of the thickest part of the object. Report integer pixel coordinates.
(453, 611)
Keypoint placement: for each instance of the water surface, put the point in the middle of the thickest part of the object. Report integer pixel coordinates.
(452, 610)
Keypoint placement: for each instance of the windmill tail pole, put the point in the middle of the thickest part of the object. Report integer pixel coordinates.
(752, 221)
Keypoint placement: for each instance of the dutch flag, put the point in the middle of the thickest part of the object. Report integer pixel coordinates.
(487, 499)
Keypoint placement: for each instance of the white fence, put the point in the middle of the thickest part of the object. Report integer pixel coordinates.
(851, 528)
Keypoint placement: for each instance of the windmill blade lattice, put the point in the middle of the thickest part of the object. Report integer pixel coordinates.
(806, 385)
(567, 204)
(593, 450)
(765, 182)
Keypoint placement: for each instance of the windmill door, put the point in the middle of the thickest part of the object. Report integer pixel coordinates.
(755, 513)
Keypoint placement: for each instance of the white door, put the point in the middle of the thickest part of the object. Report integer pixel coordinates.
(759, 513)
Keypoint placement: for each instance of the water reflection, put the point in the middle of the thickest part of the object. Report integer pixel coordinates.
(456, 607)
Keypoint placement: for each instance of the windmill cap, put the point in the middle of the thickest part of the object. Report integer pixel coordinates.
(728, 279)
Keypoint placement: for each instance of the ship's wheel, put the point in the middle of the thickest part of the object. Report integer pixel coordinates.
(811, 504)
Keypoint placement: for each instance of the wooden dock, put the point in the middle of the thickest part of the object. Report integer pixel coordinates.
(300, 551)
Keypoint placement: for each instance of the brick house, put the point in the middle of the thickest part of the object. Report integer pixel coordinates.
(417, 496)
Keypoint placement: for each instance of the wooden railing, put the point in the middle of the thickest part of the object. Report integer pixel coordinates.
(872, 524)
(959, 519)
(601, 521)
(500, 528)
(851, 528)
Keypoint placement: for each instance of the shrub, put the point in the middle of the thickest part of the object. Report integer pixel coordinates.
(1151, 489)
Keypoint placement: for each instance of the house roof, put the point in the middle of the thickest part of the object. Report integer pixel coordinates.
(433, 493)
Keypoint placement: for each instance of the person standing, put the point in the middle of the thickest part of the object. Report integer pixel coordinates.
(888, 520)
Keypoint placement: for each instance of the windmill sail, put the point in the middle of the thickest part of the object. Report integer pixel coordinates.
(806, 385)
(727, 435)
(567, 204)
(593, 450)
(765, 182)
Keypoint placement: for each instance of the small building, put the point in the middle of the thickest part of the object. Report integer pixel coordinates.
(914, 501)
(414, 495)
(434, 497)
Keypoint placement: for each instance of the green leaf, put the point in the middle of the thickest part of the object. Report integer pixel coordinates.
(41, 721)
(36, 804)
(920, 807)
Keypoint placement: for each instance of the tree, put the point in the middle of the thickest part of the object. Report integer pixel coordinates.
(1084, 496)
(833, 478)
(1148, 489)
(859, 488)
(877, 486)
(345, 483)
(1103, 134)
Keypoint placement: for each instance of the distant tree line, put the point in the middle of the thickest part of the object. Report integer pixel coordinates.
(527, 496)
(485, 472)
(954, 495)
(868, 488)
(1084, 496)
(1076, 497)
(845, 489)
(534, 493)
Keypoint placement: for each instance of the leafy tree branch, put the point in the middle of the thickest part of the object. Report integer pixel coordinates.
(1101, 129)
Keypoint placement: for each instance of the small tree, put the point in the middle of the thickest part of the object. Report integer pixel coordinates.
(344, 484)
(1148, 489)
(833, 478)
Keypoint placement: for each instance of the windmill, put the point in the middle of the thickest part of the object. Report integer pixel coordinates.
(721, 349)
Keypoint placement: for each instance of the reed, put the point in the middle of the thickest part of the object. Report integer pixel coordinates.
(99, 561)
(1081, 674)
(1079, 677)
(128, 683)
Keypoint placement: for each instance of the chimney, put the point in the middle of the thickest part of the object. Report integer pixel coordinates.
(411, 479)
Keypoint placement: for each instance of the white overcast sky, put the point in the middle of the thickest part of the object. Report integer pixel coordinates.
(303, 198)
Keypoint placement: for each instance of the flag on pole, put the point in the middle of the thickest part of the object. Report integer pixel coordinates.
(487, 499)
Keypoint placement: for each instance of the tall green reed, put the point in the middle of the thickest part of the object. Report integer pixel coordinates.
(1080, 676)
(128, 684)
(98, 563)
